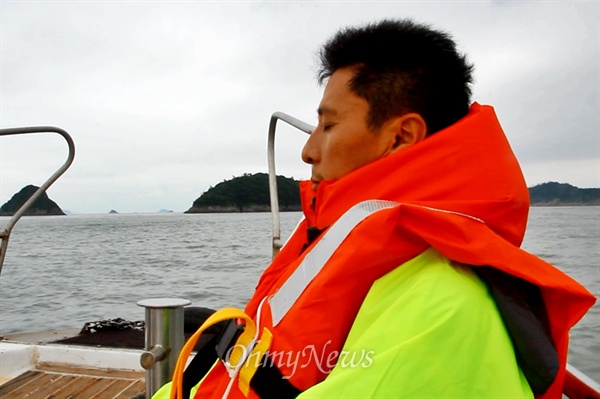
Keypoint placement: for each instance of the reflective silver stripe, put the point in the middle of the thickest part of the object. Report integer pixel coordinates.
(313, 262)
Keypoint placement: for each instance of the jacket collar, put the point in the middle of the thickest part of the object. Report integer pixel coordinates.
(468, 167)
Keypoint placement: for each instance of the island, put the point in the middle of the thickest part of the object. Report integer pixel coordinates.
(248, 193)
(42, 206)
(563, 194)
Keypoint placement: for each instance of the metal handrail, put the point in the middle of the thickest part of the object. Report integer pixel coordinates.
(298, 124)
(5, 234)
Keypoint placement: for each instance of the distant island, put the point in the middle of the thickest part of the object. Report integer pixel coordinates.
(42, 206)
(250, 193)
(563, 194)
(247, 193)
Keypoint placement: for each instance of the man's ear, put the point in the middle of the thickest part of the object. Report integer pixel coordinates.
(406, 130)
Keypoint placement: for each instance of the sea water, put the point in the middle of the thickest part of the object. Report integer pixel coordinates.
(64, 271)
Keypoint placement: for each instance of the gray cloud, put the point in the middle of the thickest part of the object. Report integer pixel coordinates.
(167, 99)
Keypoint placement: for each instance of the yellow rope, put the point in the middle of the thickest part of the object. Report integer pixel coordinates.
(221, 315)
(253, 361)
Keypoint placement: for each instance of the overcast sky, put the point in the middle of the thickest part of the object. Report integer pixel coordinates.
(165, 99)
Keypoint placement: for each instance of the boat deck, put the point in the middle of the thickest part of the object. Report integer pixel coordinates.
(64, 382)
(67, 364)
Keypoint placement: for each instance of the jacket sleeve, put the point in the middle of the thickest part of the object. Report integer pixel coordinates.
(427, 329)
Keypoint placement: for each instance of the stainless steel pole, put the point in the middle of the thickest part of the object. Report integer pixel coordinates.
(164, 340)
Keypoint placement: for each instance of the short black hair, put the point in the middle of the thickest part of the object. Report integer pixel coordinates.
(402, 67)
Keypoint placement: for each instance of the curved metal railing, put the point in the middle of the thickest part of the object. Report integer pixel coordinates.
(5, 234)
(298, 124)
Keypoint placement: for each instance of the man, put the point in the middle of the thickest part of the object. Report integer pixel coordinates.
(405, 279)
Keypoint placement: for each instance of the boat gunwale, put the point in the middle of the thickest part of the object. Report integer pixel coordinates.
(17, 358)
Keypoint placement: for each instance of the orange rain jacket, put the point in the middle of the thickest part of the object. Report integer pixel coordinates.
(467, 168)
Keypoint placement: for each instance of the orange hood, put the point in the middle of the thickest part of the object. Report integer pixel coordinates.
(468, 168)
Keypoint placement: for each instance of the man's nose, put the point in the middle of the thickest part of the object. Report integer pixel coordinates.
(310, 151)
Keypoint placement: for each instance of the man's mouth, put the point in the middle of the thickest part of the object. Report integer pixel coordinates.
(315, 183)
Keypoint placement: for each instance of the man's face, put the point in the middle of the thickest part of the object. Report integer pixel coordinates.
(342, 140)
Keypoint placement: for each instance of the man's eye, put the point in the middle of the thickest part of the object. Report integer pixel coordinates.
(328, 126)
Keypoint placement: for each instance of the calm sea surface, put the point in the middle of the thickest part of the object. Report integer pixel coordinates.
(64, 271)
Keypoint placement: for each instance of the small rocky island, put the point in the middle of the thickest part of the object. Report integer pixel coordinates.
(248, 193)
(42, 206)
